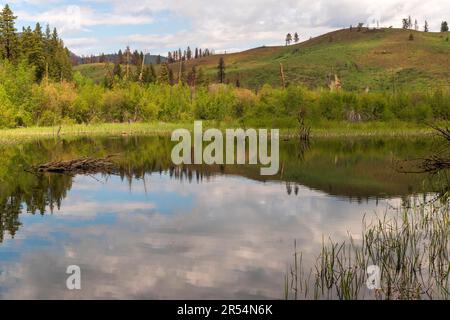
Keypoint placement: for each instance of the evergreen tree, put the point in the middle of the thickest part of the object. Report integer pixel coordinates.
(444, 26)
(425, 28)
(288, 39)
(117, 71)
(405, 23)
(58, 58)
(192, 77)
(296, 38)
(188, 53)
(8, 35)
(163, 76)
(48, 33)
(170, 76)
(26, 42)
(37, 54)
(149, 74)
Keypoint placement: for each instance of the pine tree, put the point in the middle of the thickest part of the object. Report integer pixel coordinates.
(48, 33)
(425, 28)
(163, 76)
(117, 71)
(288, 39)
(444, 26)
(192, 77)
(57, 58)
(188, 53)
(221, 71)
(37, 54)
(296, 38)
(405, 23)
(8, 35)
(135, 58)
(26, 42)
(170, 76)
(149, 75)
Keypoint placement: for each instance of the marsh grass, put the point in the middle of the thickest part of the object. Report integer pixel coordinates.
(8, 136)
(328, 129)
(411, 246)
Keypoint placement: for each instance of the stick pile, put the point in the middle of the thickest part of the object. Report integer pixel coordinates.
(79, 166)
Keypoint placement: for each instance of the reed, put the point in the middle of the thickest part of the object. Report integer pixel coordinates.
(410, 245)
(330, 129)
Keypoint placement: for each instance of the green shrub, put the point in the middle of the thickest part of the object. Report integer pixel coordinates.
(24, 102)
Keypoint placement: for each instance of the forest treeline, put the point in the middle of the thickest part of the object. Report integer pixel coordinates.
(37, 87)
(43, 51)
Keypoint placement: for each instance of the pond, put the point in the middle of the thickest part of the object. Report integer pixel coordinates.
(155, 231)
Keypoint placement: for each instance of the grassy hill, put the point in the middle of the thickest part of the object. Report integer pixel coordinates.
(378, 59)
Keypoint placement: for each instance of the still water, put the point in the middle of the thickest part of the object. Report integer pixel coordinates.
(200, 232)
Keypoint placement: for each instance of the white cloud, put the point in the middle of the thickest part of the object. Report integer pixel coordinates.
(237, 24)
(76, 18)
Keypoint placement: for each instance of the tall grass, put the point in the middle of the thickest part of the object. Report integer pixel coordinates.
(411, 246)
(328, 129)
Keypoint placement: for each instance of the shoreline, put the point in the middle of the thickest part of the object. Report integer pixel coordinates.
(327, 130)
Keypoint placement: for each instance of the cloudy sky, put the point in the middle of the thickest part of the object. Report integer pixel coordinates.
(156, 26)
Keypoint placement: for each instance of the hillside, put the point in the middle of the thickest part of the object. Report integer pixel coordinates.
(377, 59)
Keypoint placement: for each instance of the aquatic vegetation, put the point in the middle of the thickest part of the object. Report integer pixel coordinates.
(411, 247)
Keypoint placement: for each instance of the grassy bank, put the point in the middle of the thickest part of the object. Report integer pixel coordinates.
(321, 130)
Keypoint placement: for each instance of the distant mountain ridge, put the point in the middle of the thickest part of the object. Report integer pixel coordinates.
(363, 59)
(112, 58)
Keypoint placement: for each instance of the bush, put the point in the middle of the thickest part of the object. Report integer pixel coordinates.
(215, 103)
(24, 102)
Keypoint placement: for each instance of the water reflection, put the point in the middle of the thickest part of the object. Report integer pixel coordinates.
(158, 231)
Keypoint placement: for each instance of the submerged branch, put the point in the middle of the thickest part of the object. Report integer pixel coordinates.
(432, 164)
(79, 166)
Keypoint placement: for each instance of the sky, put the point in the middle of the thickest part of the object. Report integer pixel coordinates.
(157, 26)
